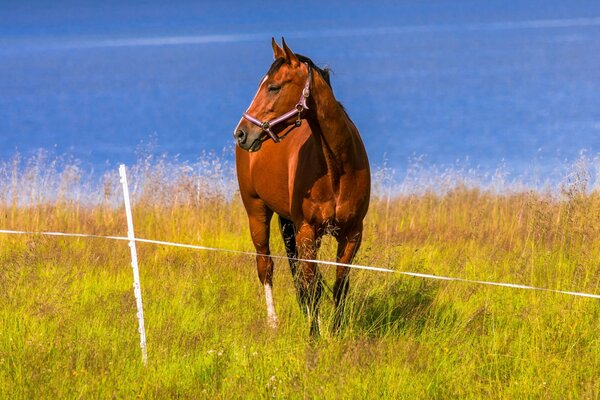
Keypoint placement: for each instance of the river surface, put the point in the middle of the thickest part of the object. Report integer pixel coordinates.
(466, 84)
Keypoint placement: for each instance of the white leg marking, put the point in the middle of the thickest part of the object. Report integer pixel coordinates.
(271, 315)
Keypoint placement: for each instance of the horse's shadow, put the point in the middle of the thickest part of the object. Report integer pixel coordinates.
(399, 307)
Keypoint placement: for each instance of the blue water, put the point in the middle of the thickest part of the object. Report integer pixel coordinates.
(482, 82)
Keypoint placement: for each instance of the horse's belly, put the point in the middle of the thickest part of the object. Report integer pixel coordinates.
(317, 206)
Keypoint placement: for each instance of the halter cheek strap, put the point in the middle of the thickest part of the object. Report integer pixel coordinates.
(302, 105)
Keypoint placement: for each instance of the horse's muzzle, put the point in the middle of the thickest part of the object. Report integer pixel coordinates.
(248, 140)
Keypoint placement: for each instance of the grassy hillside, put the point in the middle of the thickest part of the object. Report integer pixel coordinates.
(67, 312)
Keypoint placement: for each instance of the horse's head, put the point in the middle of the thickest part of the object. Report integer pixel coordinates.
(276, 104)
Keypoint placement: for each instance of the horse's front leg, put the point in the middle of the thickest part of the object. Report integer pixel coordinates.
(348, 245)
(309, 281)
(259, 217)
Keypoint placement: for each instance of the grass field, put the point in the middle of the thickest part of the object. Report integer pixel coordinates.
(67, 311)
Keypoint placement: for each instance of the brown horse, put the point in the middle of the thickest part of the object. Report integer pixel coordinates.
(312, 170)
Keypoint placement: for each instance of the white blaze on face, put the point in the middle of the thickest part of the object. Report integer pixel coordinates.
(258, 90)
(271, 315)
(252, 102)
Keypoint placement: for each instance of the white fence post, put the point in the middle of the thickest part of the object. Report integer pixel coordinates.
(137, 289)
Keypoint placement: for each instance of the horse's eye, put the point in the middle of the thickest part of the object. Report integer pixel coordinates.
(274, 88)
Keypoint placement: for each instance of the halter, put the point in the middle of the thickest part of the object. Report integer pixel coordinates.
(267, 126)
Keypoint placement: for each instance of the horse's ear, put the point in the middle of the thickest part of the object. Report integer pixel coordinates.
(277, 51)
(289, 54)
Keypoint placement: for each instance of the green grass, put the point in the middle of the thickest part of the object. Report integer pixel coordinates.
(67, 311)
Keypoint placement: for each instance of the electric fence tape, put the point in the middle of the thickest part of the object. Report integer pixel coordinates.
(322, 262)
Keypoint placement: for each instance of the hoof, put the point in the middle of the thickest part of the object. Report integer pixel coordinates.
(315, 331)
(273, 322)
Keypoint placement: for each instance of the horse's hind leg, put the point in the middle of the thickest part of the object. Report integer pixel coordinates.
(259, 217)
(288, 231)
(309, 282)
(348, 245)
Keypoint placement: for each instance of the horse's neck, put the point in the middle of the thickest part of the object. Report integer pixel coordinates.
(338, 135)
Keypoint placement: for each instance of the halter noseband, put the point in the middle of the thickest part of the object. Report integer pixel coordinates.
(267, 126)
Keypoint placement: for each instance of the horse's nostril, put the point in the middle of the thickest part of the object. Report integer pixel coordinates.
(241, 136)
